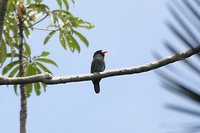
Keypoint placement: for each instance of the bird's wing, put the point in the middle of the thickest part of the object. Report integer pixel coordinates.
(92, 66)
(97, 66)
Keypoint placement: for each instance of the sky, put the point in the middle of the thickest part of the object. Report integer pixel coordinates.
(130, 30)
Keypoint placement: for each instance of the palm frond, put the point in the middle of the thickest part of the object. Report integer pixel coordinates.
(186, 30)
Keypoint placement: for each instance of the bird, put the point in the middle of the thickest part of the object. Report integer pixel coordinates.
(98, 65)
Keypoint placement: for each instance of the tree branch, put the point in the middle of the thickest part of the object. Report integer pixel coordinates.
(49, 79)
(3, 6)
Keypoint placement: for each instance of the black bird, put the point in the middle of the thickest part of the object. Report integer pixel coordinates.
(98, 65)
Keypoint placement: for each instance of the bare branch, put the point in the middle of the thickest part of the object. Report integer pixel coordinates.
(25, 80)
(49, 79)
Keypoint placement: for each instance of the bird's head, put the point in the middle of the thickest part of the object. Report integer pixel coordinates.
(100, 53)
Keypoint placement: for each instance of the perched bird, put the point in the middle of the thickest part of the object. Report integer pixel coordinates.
(98, 65)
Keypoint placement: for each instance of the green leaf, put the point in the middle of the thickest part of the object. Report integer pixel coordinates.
(81, 37)
(37, 91)
(27, 32)
(75, 43)
(45, 53)
(29, 89)
(7, 36)
(62, 40)
(15, 89)
(49, 36)
(59, 3)
(73, 1)
(70, 44)
(37, 70)
(77, 22)
(61, 20)
(28, 1)
(66, 4)
(13, 72)
(45, 60)
(43, 67)
(44, 86)
(61, 12)
(9, 66)
(12, 54)
(3, 52)
(52, 17)
(39, 8)
(27, 49)
(38, 1)
(29, 70)
(37, 88)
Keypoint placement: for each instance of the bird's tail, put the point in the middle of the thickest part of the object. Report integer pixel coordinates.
(96, 87)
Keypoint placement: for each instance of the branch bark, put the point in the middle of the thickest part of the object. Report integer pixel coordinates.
(23, 100)
(49, 79)
(3, 6)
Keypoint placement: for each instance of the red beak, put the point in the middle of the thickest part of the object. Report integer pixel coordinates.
(104, 52)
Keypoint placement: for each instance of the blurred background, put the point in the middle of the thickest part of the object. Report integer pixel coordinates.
(134, 33)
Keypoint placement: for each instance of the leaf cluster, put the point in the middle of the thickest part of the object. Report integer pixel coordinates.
(65, 24)
(31, 13)
(32, 66)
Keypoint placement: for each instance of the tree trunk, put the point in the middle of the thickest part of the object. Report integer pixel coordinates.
(3, 6)
(23, 111)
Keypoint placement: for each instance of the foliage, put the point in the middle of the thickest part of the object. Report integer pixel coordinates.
(32, 12)
(175, 80)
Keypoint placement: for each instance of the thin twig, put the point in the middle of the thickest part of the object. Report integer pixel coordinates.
(44, 29)
(38, 21)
